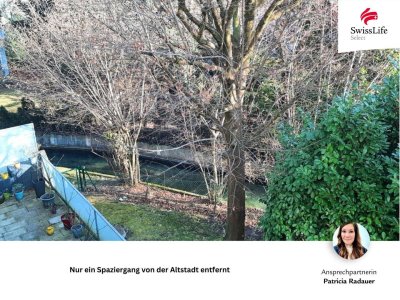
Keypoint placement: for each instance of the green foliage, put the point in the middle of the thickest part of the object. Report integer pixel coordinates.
(344, 169)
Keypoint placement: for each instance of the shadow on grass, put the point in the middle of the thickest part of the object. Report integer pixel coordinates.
(145, 223)
(23, 115)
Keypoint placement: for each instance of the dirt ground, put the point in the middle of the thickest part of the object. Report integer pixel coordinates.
(172, 201)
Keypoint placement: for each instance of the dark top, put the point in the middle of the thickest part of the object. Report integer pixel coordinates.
(337, 249)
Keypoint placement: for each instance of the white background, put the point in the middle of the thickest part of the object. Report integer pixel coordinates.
(259, 270)
(388, 16)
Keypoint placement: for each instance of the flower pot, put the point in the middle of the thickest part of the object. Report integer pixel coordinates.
(68, 220)
(19, 195)
(39, 187)
(18, 190)
(77, 230)
(47, 200)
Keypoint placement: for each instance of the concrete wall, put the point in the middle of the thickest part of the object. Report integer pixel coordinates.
(76, 142)
(81, 142)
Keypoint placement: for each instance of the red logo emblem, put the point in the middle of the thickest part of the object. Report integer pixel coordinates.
(368, 15)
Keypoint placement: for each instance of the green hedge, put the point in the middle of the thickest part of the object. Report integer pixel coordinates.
(344, 169)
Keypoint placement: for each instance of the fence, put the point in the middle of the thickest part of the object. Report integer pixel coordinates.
(93, 219)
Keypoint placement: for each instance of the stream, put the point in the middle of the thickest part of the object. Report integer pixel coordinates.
(182, 177)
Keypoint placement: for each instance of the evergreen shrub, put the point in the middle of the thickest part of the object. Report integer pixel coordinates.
(345, 168)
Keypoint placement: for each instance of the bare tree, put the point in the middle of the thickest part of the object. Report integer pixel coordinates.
(215, 54)
(212, 64)
(193, 41)
(87, 75)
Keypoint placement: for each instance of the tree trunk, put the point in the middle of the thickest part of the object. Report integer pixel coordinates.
(132, 160)
(216, 186)
(136, 164)
(236, 178)
(126, 156)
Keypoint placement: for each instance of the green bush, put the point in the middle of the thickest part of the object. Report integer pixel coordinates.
(344, 169)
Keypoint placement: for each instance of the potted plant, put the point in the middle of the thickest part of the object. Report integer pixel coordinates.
(47, 199)
(18, 190)
(68, 220)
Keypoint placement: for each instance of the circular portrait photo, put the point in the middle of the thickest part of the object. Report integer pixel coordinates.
(351, 241)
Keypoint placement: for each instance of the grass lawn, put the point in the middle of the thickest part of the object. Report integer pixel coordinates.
(254, 203)
(145, 223)
(10, 99)
(156, 222)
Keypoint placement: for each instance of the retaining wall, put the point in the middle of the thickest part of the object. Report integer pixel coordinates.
(82, 142)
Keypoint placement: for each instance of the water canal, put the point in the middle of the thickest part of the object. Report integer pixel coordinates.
(178, 176)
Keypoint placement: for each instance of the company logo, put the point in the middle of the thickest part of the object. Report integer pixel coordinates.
(363, 25)
(358, 33)
(368, 16)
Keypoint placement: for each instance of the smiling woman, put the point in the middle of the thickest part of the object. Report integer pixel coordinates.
(348, 241)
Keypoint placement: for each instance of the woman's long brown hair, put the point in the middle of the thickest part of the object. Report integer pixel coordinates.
(357, 246)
